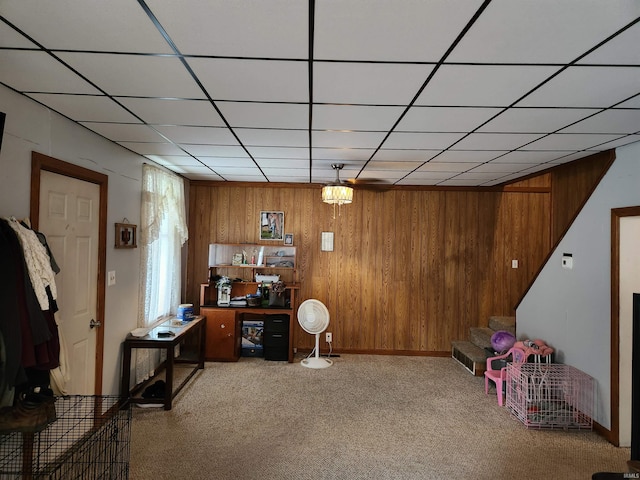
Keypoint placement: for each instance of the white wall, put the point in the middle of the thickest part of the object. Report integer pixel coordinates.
(31, 127)
(571, 309)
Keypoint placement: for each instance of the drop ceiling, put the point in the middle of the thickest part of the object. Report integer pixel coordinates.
(405, 92)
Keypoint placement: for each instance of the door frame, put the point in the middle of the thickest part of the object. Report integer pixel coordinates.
(616, 214)
(40, 162)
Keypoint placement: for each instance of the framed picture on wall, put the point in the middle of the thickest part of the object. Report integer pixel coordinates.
(271, 225)
(125, 235)
(288, 238)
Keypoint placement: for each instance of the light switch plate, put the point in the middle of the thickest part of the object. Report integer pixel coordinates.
(326, 243)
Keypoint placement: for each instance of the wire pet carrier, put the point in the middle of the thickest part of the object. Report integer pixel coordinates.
(89, 440)
(550, 396)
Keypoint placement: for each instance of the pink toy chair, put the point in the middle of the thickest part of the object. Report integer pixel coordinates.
(498, 376)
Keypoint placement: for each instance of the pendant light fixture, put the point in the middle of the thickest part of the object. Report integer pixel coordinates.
(337, 193)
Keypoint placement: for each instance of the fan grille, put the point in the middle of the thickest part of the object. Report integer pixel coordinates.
(313, 316)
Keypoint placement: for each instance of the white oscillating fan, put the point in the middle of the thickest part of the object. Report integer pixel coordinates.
(313, 317)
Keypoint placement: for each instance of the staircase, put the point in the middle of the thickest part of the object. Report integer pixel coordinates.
(471, 353)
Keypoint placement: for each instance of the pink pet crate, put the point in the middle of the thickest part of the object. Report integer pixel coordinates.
(550, 396)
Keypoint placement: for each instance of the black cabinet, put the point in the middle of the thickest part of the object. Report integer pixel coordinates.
(276, 337)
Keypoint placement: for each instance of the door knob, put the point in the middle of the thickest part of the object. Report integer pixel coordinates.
(94, 324)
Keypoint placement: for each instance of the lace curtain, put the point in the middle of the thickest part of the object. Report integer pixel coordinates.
(163, 231)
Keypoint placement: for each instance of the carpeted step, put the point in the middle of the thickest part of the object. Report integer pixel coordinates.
(503, 323)
(481, 336)
(470, 356)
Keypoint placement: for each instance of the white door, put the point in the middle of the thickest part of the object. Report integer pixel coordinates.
(629, 284)
(69, 217)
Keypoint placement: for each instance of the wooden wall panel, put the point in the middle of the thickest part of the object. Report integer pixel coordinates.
(412, 269)
(571, 186)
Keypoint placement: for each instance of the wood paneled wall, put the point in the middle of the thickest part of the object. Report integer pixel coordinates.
(411, 269)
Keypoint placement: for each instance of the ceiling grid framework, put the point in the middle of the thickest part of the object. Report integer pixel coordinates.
(403, 92)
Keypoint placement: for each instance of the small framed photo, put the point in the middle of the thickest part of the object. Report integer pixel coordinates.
(288, 238)
(126, 236)
(271, 225)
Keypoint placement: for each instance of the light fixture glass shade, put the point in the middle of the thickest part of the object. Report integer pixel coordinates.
(337, 194)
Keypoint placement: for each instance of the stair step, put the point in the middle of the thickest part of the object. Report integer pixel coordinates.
(503, 323)
(470, 356)
(481, 336)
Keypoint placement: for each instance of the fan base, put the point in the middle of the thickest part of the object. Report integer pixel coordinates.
(316, 362)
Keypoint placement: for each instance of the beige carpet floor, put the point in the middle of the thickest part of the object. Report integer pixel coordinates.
(366, 417)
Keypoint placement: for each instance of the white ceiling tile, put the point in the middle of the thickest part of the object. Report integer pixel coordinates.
(609, 121)
(341, 154)
(210, 177)
(570, 141)
(381, 176)
(239, 176)
(116, 25)
(272, 115)
(430, 141)
(86, 107)
(462, 182)
(619, 142)
(408, 166)
(279, 174)
(274, 29)
(414, 180)
(273, 137)
(595, 87)
(257, 80)
(187, 169)
(135, 75)
(451, 167)
(198, 135)
(198, 150)
(428, 175)
(216, 162)
(445, 119)
(471, 156)
(160, 111)
(355, 117)
(124, 132)
(479, 177)
(391, 155)
(496, 141)
(370, 140)
(169, 160)
(293, 163)
(497, 167)
(631, 103)
(29, 71)
(279, 152)
(152, 148)
(617, 51)
(570, 157)
(537, 31)
(9, 38)
(529, 156)
(367, 83)
(535, 120)
(482, 85)
(383, 30)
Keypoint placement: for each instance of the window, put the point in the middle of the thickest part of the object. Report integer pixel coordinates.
(163, 231)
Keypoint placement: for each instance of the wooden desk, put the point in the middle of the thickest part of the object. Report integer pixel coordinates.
(192, 338)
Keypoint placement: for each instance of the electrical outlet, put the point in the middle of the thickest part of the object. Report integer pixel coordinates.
(328, 337)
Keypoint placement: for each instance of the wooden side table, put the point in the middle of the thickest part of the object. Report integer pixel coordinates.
(192, 338)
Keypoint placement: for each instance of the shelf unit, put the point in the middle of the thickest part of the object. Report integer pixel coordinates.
(228, 259)
(224, 324)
